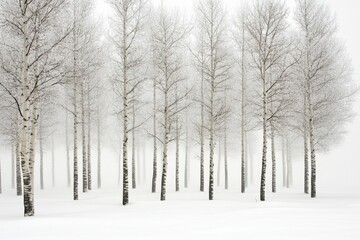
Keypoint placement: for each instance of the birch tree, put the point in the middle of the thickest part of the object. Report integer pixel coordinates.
(154, 170)
(246, 123)
(270, 48)
(211, 20)
(35, 21)
(128, 20)
(168, 33)
(326, 82)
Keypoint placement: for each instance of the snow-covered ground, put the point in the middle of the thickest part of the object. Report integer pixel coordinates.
(185, 215)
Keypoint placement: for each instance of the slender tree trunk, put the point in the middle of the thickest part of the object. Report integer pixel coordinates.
(98, 149)
(41, 157)
(67, 149)
(308, 98)
(243, 105)
(186, 170)
(18, 161)
(177, 164)
(133, 168)
(125, 116)
(202, 137)
(284, 165)
(264, 147)
(219, 164)
(154, 175)
(83, 136)
(76, 174)
(120, 164)
(138, 161)
(273, 160)
(306, 149)
(31, 157)
(75, 132)
(125, 144)
(89, 138)
(34, 119)
(243, 152)
(289, 164)
(225, 146)
(165, 143)
(246, 162)
(12, 166)
(212, 145)
(25, 126)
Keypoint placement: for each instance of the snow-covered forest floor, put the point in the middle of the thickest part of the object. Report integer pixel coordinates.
(185, 215)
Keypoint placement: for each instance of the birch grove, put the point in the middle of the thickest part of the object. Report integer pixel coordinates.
(267, 86)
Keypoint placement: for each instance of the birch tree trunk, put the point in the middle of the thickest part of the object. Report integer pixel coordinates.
(177, 164)
(306, 149)
(12, 166)
(133, 164)
(98, 149)
(284, 165)
(251, 168)
(67, 149)
(83, 136)
(308, 88)
(312, 146)
(243, 97)
(18, 160)
(219, 164)
(25, 123)
(273, 160)
(165, 142)
(41, 157)
(125, 122)
(186, 170)
(76, 174)
(289, 164)
(246, 162)
(138, 160)
(75, 108)
(212, 145)
(202, 137)
(34, 119)
(120, 164)
(89, 138)
(264, 145)
(154, 174)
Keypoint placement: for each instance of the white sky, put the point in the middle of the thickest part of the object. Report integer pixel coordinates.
(347, 12)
